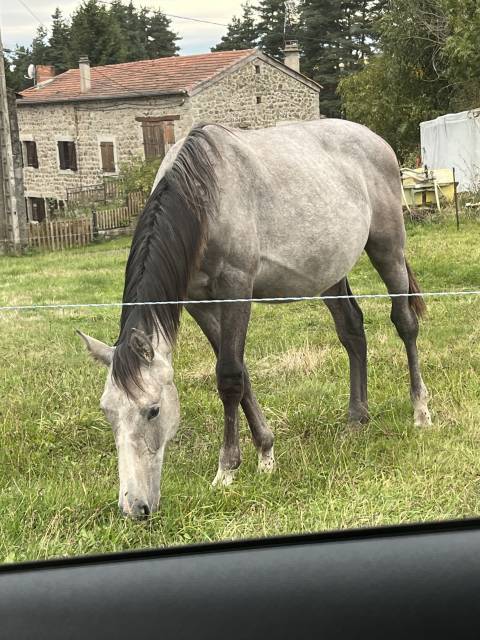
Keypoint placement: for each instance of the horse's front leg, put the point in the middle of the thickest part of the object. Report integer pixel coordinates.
(208, 319)
(234, 319)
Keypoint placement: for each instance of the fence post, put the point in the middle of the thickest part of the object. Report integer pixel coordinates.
(456, 198)
(94, 223)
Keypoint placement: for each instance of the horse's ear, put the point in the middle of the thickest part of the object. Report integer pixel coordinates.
(141, 344)
(98, 350)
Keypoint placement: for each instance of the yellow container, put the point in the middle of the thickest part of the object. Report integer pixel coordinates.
(419, 186)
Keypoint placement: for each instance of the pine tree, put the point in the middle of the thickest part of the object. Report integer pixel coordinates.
(278, 22)
(59, 43)
(132, 28)
(161, 41)
(242, 32)
(95, 33)
(40, 46)
(336, 39)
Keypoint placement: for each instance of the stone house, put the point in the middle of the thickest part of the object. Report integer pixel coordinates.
(82, 125)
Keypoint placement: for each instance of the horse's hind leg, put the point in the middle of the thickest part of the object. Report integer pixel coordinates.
(208, 319)
(392, 267)
(348, 319)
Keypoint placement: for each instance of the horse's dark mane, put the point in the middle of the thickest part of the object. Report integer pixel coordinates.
(166, 248)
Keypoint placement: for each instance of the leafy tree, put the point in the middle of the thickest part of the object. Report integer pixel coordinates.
(462, 52)
(242, 32)
(391, 105)
(412, 79)
(16, 65)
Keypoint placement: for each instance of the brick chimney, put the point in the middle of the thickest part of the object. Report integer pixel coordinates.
(43, 73)
(85, 81)
(292, 55)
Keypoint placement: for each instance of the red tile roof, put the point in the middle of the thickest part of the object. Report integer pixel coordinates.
(162, 75)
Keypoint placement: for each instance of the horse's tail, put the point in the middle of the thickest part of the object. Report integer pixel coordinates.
(417, 303)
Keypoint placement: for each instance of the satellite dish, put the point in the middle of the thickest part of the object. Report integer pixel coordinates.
(31, 71)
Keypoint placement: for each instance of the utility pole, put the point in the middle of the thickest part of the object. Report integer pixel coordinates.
(12, 209)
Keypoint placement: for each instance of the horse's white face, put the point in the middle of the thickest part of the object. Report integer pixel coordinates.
(141, 425)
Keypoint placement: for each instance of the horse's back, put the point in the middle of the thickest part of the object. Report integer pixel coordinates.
(297, 203)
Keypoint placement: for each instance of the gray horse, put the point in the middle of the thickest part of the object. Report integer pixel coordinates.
(277, 212)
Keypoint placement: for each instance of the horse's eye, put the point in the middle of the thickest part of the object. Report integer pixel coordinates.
(153, 413)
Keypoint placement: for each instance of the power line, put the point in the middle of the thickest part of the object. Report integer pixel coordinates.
(218, 24)
(171, 15)
(168, 15)
(25, 6)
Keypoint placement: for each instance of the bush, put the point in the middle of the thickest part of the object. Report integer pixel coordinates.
(139, 175)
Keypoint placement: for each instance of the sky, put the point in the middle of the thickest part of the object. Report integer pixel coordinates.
(18, 25)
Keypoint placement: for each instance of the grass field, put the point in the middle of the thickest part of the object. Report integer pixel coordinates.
(58, 478)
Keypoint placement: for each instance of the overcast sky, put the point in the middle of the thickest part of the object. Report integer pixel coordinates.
(19, 25)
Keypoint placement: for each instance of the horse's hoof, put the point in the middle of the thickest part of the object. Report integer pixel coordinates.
(266, 461)
(422, 417)
(358, 418)
(224, 477)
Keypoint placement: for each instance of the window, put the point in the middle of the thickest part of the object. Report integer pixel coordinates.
(158, 135)
(259, 99)
(108, 157)
(30, 154)
(37, 209)
(257, 69)
(67, 155)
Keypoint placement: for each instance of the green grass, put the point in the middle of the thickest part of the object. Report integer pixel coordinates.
(58, 478)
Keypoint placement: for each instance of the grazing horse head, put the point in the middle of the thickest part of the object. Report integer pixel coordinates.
(140, 399)
(143, 420)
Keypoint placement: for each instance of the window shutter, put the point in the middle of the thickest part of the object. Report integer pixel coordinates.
(108, 159)
(169, 131)
(31, 149)
(72, 156)
(62, 155)
(153, 140)
(34, 155)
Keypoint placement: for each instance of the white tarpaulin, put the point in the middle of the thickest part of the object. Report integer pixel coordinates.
(453, 140)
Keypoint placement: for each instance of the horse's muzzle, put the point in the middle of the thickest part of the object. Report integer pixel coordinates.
(138, 511)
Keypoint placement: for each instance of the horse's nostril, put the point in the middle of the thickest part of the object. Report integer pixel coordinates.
(138, 511)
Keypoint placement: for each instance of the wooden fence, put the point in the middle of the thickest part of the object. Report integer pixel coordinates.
(101, 192)
(56, 235)
(136, 201)
(112, 218)
(60, 234)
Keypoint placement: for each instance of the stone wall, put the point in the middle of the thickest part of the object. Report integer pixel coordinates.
(88, 124)
(257, 95)
(233, 100)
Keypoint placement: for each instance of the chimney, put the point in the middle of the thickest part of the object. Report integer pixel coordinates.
(44, 73)
(292, 55)
(85, 82)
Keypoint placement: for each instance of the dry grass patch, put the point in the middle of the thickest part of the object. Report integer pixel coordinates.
(305, 359)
